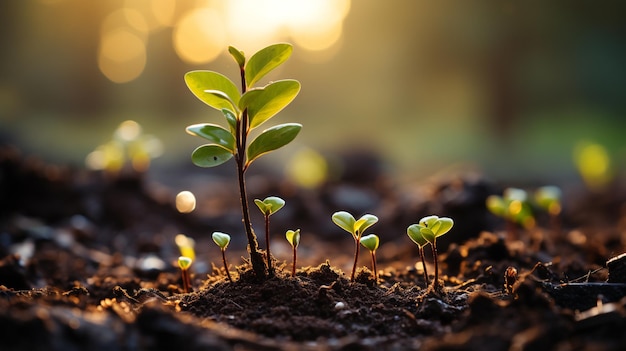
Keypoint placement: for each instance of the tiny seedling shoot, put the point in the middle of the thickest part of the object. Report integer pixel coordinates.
(293, 236)
(513, 206)
(245, 110)
(549, 199)
(432, 227)
(268, 207)
(184, 263)
(414, 233)
(355, 227)
(222, 240)
(371, 242)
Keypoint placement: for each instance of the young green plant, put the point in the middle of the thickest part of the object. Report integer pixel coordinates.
(268, 207)
(513, 206)
(371, 242)
(355, 227)
(244, 111)
(432, 227)
(184, 263)
(293, 236)
(414, 233)
(549, 199)
(222, 240)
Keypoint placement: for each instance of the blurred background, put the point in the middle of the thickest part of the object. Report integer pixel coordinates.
(510, 89)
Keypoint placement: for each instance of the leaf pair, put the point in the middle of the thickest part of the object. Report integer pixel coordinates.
(428, 229)
(355, 227)
(270, 205)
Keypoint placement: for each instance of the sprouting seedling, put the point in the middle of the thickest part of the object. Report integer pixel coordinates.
(432, 227)
(414, 233)
(129, 147)
(549, 198)
(371, 242)
(268, 207)
(355, 227)
(293, 236)
(184, 263)
(244, 111)
(513, 206)
(222, 240)
(186, 245)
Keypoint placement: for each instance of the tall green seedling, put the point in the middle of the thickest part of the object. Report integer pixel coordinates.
(245, 109)
(222, 240)
(355, 227)
(432, 227)
(268, 207)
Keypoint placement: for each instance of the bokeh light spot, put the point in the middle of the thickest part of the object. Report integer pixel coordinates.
(199, 37)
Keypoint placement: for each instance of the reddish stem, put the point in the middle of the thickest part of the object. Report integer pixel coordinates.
(356, 257)
(374, 266)
(186, 280)
(424, 265)
(293, 270)
(230, 279)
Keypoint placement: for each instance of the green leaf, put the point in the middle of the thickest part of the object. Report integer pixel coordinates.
(345, 221)
(265, 60)
(371, 242)
(428, 234)
(184, 262)
(215, 134)
(293, 237)
(495, 204)
(210, 155)
(414, 233)
(428, 221)
(231, 118)
(221, 239)
(265, 103)
(238, 56)
(272, 139)
(364, 222)
(270, 205)
(443, 225)
(222, 92)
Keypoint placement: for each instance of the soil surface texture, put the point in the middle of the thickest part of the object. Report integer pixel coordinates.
(88, 261)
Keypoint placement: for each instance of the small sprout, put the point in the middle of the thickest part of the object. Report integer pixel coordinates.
(294, 239)
(184, 263)
(185, 202)
(355, 227)
(268, 207)
(186, 246)
(414, 233)
(222, 240)
(371, 242)
(129, 149)
(549, 199)
(432, 227)
(513, 206)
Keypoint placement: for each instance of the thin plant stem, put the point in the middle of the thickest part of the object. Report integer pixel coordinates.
(421, 248)
(356, 256)
(256, 259)
(270, 271)
(186, 280)
(293, 269)
(230, 279)
(374, 266)
(436, 281)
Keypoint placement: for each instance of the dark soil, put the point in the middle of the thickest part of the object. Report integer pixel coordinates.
(88, 262)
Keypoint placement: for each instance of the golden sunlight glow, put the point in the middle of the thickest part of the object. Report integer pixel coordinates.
(122, 55)
(185, 202)
(199, 37)
(201, 34)
(594, 164)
